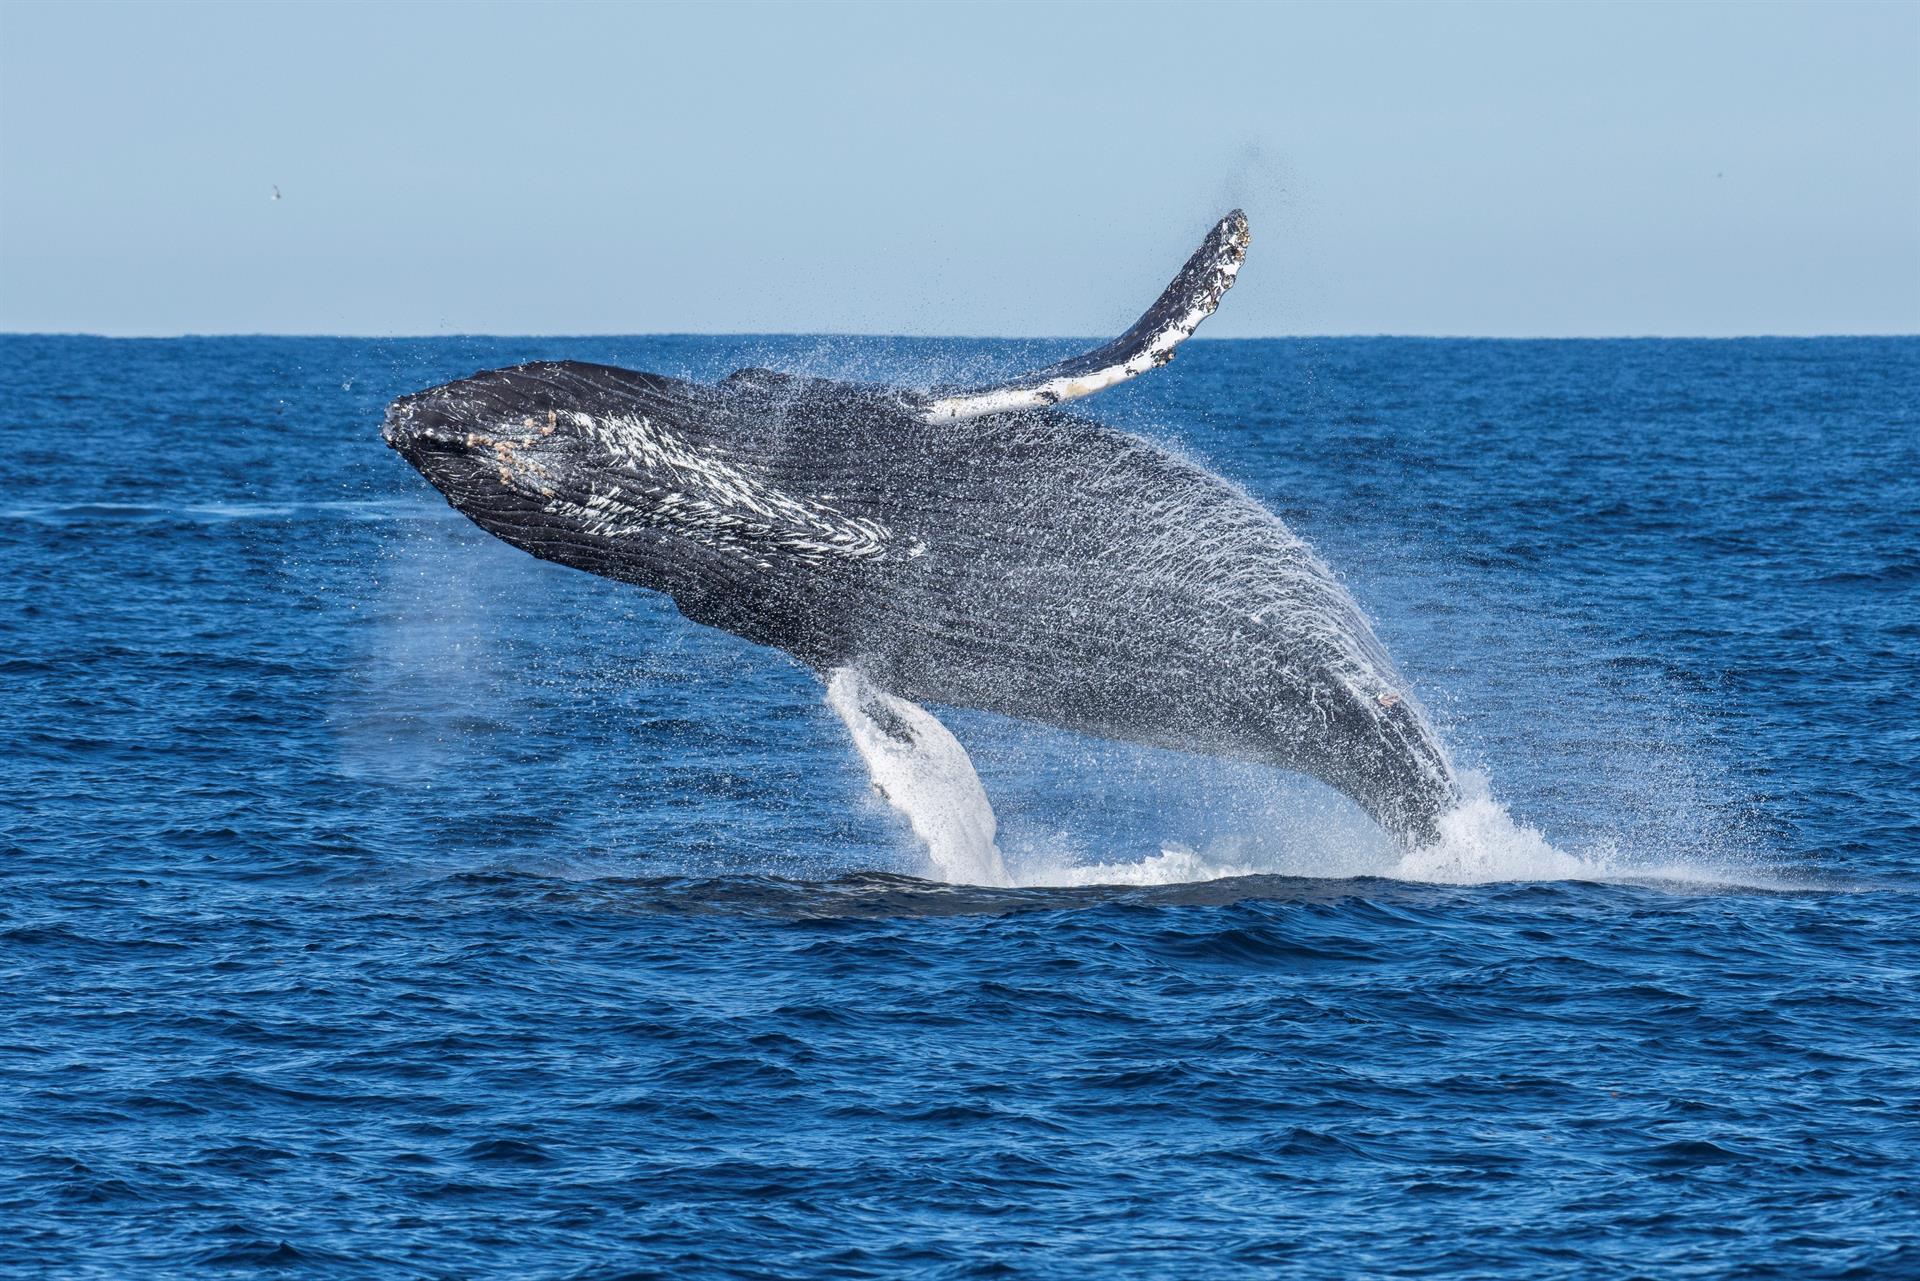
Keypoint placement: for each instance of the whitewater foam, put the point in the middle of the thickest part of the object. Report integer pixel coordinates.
(1174, 865)
(1480, 843)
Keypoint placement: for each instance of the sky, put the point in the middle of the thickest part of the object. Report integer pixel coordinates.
(1028, 170)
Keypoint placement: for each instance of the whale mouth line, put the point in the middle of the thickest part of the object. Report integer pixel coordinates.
(434, 440)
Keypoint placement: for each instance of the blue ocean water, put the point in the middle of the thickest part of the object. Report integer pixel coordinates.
(381, 902)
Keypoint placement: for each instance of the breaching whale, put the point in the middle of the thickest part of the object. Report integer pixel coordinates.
(974, 547)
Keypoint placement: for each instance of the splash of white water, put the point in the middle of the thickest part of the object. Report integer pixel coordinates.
(1480, 842)
(1174, 865)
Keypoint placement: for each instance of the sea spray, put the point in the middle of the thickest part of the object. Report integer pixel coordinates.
(1481, 842)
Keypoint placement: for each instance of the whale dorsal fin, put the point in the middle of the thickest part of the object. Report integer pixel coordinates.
(1190, 299)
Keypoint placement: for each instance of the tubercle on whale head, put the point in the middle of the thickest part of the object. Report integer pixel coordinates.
(446, 417)
(459, 444)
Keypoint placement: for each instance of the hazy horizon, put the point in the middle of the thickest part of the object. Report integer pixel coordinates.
(1420, 171)
(852, 336)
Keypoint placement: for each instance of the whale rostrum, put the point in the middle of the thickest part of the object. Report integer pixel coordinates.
(979, 548)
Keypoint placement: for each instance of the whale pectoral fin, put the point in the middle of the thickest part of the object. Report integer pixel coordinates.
(920, 767)
(1190, 299)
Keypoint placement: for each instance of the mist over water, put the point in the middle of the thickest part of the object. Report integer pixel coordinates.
(381, 901)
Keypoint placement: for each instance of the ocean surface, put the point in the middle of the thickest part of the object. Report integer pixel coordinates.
(381, 902)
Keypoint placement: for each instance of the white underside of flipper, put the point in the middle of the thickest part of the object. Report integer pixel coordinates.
(1188, 300)
(921, 769)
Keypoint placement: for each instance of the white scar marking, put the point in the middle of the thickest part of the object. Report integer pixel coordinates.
(672, 487)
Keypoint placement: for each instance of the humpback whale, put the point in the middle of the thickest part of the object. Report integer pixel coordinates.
(977, 547)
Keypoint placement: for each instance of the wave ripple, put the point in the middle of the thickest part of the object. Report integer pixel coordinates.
(380, 902)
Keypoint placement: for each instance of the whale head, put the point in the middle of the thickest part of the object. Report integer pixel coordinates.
(499, 459)
(632, 476)
(536, 457)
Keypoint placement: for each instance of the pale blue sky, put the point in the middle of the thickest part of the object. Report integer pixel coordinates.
(1023, 170)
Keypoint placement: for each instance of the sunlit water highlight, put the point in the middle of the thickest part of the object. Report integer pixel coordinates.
(381, 902)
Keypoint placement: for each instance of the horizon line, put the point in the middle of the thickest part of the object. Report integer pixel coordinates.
(859, 335)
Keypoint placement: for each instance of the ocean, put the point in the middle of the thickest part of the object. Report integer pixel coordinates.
(382, 902)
